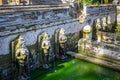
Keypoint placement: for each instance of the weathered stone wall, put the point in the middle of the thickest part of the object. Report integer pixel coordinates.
(31, 21)
(34, 2)
(107, 49)
(95, 12)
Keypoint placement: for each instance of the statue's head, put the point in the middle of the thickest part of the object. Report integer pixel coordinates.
(45, 36)
(21, 42)
(98, 21)
(62, 31)
(82, 17)
(104, 19)
(108, 20)
(87, 29)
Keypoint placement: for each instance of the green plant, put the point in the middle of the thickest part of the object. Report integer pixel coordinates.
(9, 0)
(118, 29)
(89, 2)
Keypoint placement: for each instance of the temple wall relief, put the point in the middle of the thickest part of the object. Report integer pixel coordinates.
(45, 51)
(60, 43)
(20, 58)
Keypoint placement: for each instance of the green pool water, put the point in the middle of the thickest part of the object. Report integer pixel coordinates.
(74, 69)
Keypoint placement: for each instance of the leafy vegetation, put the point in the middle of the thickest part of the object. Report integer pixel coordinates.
(94, 2)
(9, 0)
(118, 29)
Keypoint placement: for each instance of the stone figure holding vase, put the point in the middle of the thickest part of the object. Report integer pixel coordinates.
(62, 39)
(21, 55)
(45, 45)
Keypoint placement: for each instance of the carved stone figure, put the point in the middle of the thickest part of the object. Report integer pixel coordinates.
(82, 16)
(62, 43)
(97, 24)
(99, 36)
(98, 29)
(21, 2)
(104, 24)
(22, 55)
(86, 31)
(45, 45)
(109, 24)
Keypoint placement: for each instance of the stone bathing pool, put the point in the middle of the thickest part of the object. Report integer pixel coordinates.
(75, 69)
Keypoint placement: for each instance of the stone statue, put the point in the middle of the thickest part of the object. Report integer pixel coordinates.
(104, 24)
(45, 45)
(82, 16)
(98, 29)
(97, 24)
(62, 43)
(99, 36)
(23, 2)
(109, 24)
(21, 55)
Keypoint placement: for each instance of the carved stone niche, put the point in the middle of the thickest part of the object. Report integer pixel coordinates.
(46, 54)
(60, 44)
(20, 58)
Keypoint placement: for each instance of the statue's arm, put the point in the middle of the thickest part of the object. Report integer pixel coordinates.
(45, 45)
(62, 40)
(17, 55)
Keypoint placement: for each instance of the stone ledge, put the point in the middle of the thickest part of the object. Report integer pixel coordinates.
(95, 60)
(35, 27)
(101, 5)
(11, 9)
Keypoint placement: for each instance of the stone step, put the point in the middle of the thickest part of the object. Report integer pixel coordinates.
(95, 60)
(7, 9)
(106, 59)
(98, 61)
(31, 6)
